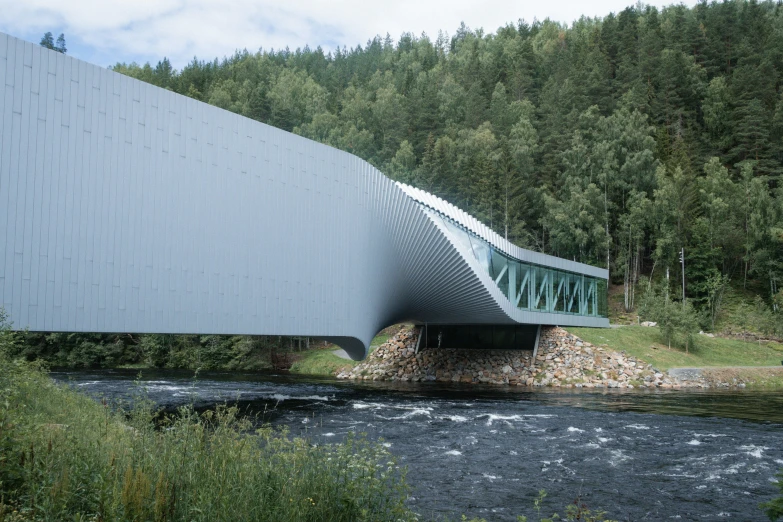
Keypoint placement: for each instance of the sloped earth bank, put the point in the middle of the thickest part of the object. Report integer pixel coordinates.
(482, 450)
(563, 360)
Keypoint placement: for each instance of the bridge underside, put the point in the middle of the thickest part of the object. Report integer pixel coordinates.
(129, 208)
(480, 336)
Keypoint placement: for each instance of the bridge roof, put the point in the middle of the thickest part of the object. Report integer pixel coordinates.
(480, 229)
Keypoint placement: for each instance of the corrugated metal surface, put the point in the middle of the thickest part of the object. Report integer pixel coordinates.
(489, 235)
(128, 208)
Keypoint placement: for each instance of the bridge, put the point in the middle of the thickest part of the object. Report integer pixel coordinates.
(129, 208)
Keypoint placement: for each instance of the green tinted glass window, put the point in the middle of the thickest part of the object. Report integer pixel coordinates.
(532, 287)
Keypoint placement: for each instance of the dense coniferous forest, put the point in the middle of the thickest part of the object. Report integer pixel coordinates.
(615, 141)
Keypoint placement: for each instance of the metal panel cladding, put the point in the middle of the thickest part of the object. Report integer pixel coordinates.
(128, 208)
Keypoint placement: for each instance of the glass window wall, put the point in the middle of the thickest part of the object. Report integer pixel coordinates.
(533, 287)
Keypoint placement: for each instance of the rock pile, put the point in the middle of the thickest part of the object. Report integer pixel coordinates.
(563, 360)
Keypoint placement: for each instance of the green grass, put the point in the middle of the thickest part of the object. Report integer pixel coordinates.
(321, 361)
(752, 377)
(65, 456)
(379, 339)
(646, 344)
(134, 366)
(756, 381)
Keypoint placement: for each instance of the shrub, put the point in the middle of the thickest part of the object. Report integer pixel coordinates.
(774, 508)
(677, 321)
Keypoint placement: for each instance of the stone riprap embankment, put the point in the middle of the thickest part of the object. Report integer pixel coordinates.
(563, 360)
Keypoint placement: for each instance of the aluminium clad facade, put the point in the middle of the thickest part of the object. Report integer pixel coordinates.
(128, 208)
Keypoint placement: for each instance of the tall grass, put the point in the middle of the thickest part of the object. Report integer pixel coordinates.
(64, 456)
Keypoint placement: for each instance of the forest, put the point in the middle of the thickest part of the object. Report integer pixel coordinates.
(620, 141)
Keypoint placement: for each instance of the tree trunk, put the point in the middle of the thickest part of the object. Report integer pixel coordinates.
(634, 279)
(506, 211)
(747, 238)
(606, 219)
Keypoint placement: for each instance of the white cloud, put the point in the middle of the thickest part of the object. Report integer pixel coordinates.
(150, 29)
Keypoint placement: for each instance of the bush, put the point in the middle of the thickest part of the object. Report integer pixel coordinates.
(155, 350)
(774, 508)
(677, 321)
(765, 319)
(208, 352)
(7, 336)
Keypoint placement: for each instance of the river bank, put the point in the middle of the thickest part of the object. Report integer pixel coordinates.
(562, 360)
(707, 350)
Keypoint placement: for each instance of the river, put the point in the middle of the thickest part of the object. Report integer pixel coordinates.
(486, 451)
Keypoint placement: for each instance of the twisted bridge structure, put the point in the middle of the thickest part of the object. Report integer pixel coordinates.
(129, 208)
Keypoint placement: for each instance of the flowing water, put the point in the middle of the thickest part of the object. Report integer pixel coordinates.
(486, 452)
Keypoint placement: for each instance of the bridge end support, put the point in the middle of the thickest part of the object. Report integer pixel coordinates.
(418, 341)
(354, 347)
(535, 346)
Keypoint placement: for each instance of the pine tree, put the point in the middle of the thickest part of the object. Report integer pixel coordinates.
(60, 45)
(163, 73)
(717, 114)
(47, 41)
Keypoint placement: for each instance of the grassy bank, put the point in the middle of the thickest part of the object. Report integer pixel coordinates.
(647, 344)
(753, 377)
(67, 457)
(320, 361)
(323, 361)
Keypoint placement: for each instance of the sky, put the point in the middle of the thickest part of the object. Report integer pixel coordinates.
(105, 32)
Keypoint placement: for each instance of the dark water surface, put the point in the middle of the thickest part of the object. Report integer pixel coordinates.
(486, 452)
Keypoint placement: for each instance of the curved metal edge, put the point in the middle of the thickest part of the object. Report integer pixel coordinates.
(354, 347)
